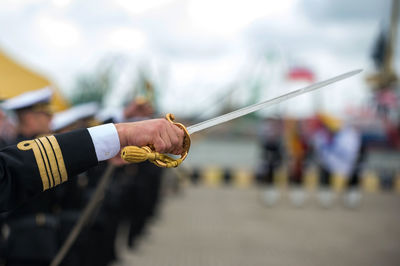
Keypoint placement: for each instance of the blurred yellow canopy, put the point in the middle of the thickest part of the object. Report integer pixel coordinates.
(16, 79)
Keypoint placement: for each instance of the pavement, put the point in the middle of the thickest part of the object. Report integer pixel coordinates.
(224, 226)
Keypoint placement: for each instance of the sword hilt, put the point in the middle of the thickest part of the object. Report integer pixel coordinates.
(134, 154)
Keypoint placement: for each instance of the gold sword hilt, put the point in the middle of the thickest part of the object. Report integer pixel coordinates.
(134, 154)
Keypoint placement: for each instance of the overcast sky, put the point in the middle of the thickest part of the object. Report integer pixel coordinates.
(199, 50)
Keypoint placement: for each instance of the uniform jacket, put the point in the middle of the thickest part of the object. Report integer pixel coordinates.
(34, 166)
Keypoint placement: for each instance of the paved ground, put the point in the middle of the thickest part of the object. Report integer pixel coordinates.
(229, 226)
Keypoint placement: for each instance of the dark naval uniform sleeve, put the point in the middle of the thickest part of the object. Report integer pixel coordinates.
(33, 166)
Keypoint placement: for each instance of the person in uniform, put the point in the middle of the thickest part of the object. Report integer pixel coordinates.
(72, 196)
(142, 182)
(25, 170)
(132, 197)
(34, 221)
(36, 165)
(337, 148)
(102, 225)
(7, 130)
(271, 145)
(296, 148)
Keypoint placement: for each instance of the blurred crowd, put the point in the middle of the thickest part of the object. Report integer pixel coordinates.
(34, 232)
(333, 147)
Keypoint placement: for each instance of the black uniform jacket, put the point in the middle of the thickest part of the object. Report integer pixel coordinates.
(33, 166)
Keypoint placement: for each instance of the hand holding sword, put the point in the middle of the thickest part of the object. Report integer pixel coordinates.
(168, 138)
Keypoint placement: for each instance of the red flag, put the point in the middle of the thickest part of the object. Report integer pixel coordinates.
(301, 73)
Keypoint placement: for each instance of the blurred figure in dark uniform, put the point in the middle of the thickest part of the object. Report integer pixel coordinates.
(72, 196)
(32, 227)
(7, 136)
(7, 130)
(296, 147)
(139, 184)
(144, 196)
(95, 243)
(2, 120)
(132, 195)
(271, 142)
(102, 226)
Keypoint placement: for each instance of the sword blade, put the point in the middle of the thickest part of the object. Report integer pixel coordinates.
(255, 107)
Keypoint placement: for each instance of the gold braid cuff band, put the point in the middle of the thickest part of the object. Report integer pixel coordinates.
(134, 154)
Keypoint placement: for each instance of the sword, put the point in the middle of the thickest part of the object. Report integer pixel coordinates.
(135, 154)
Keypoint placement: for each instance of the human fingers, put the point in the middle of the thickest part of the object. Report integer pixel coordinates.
(159, 144)
(174, 136)
(165, 136)
(179, 137)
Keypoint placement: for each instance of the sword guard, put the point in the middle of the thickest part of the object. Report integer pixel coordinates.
(134, 154)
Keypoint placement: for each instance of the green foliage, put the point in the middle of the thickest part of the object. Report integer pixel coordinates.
(93, 87)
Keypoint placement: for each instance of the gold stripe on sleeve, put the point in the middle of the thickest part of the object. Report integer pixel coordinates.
(31, 145)
(46, 163)
(60, 158)
(52, 160)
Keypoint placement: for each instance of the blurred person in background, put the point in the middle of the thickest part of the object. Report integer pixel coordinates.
(131, 197)
(139, 184)
(95, 244)
(297, 150)
(7, 130)
(2, 121)
(337, 148)
(32, 238)
(7, 135)
(271, 144)
(73, 194)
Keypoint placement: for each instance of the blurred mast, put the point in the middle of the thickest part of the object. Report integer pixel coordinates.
(388, 74)
(388, 68)
(385, 79)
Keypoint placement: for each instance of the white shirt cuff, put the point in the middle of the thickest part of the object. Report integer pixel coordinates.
(106, 141)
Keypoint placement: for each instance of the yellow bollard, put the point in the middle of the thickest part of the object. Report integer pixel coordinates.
(212, 176)
(242, 178)
(339, 183)
(311, 179)
(370, 182)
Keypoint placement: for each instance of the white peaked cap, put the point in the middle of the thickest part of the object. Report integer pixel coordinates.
(115, 114)
(66, 118)
(28, 99)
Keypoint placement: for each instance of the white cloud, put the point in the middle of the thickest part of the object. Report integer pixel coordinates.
(15, 5)
(61, 3)
(136, 7)
(126, 39)
(228, 17)
(57, 32)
